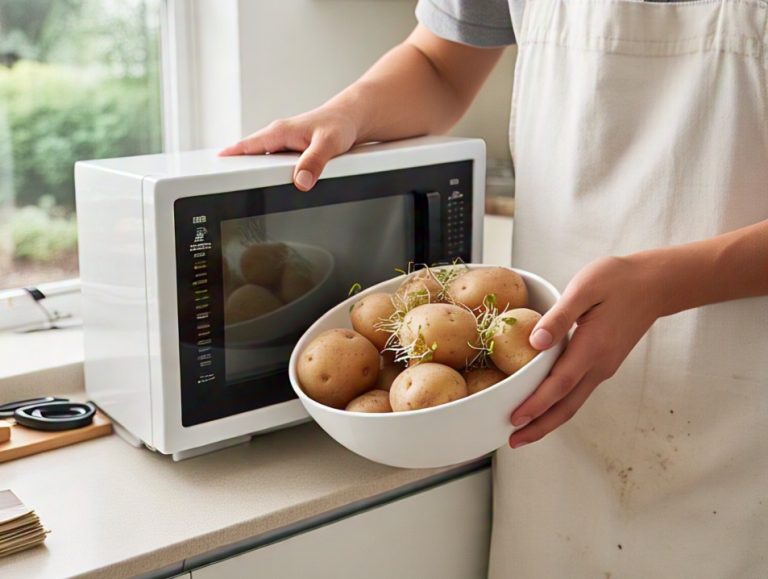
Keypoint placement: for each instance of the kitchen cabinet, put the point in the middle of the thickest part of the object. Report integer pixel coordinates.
(442, 532)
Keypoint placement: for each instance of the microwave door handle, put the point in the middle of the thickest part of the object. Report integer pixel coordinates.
(429, 232)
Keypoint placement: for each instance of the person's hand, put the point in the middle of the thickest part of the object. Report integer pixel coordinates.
(319, 135)
(613, 301)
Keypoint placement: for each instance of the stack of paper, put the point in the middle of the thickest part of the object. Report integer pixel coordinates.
(20, 528)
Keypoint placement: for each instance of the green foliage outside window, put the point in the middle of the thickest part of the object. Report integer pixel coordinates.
(57, 116)
(79, 79)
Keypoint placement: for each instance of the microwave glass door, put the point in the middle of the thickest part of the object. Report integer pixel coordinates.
(255, 268)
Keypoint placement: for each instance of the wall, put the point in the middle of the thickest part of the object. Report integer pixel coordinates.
(294, 54)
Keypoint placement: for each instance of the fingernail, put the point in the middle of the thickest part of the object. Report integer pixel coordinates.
(519, 444)
(304, 179)
(521, 421)
(541, 339)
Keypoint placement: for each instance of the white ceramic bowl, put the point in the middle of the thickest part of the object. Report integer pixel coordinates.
(290, 318)
(456, 432)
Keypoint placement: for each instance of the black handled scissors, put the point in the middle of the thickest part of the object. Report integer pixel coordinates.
(49, 413)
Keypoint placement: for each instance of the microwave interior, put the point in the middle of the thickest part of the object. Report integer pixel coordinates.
(256, 267)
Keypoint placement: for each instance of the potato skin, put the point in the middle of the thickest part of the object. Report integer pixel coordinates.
(231, 278)
(375, 401)
(337, 366)
(294, 283)
(248, 302)
(263, 263)
(471, 288)
(368, 312)
(451, 327)
(481, 378)
(420, 281)
(511, 349)
(426, 385)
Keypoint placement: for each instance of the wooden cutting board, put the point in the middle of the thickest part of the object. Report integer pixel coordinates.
(25, 441)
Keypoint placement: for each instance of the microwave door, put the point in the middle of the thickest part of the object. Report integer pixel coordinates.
(324, 252)
(256, 267)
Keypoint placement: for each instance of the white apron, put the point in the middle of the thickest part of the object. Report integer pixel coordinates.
(639, 125)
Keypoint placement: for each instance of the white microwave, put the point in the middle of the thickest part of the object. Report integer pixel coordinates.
(199, 273)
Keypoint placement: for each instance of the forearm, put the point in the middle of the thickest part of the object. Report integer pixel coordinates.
(400, 96)
(727, 267)
(422, 86)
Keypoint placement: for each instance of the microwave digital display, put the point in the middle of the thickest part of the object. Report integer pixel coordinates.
(256, 267)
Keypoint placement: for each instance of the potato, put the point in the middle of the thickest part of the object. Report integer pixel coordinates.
(226, 273)
(231, 278)
(387, 375)
(448, 330)
(294, 283)
(263, 263)
(373, 401)
(426, 385)
(337, 366)
(511, 349)
(368, 312)
(420, 282)
(248, 302)
(481, 378)
(471, 288)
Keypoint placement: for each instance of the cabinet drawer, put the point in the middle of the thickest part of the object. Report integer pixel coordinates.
(442, 532)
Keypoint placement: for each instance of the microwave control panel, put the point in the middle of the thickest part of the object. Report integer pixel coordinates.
(443, 219)
(457, 214)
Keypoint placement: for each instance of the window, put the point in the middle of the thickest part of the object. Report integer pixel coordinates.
(79, 79)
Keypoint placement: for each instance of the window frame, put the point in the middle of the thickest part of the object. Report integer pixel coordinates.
(46, 305)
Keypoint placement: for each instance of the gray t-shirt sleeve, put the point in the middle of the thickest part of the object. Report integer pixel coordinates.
(483, 23)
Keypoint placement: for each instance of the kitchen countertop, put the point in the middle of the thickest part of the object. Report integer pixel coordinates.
(115, 510)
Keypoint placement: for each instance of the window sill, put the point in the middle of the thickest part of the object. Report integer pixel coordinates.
(40, 363)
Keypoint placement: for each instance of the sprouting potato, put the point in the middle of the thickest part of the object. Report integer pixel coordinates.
(367, 313)
(248, 302)
(420, 287)
(471, 288)
(481, 378)
(263, 263)
(387, 374)
(511, 349)
(446, 333)
(338, 366)
(294, 283)
(426, 385)
(375, 401)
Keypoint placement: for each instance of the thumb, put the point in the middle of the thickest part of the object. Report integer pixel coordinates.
(555, 324)
(313, 161)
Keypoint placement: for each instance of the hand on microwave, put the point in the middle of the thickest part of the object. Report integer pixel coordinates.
(318, 135)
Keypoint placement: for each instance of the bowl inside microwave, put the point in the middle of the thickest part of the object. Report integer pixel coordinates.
(459, 431)
(292, 317)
